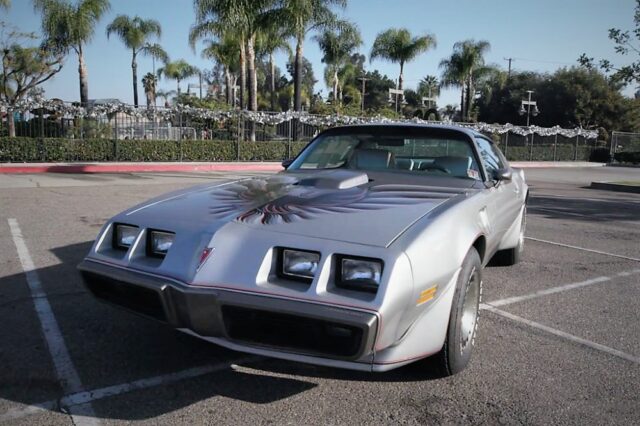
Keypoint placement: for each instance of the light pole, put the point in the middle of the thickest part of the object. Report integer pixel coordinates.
(529, 103)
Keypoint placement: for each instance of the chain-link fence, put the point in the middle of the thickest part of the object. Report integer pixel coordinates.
(118, 122)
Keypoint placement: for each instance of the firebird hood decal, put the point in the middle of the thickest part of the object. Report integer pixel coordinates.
(374, 213)
(285, 200)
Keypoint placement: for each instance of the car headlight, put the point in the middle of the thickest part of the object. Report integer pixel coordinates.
(124, 236)
(159, 243)
(359, 273)
(298, 265)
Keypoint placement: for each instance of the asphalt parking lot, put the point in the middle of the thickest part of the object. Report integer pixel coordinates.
(559, 336)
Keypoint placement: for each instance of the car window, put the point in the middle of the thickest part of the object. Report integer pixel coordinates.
(394, 149)
(491, 156)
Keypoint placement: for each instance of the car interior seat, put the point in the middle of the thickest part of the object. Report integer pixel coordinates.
(457, 166)
(372, 159)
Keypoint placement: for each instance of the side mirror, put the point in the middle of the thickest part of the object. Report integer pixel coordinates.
(286, 163)
(503, 174)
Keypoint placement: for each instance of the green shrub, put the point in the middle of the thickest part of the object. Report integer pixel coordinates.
(628, 157)
(208, 150)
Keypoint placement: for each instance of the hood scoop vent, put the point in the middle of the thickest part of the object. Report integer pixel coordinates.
(336, 179)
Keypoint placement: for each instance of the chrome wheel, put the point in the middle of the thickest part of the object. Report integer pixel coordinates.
(469, 318)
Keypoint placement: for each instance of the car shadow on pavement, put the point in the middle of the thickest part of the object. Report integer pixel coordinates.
(580, 209)
(109, 346)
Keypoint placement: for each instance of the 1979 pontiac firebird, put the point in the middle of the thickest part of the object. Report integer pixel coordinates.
(365, 253)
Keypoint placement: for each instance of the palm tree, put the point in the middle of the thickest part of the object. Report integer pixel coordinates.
(269, 41)
(165, 95)
(135, 34)
(149, 82)
(429, 86)
(398, 46)
(459, 70)
(178, 71)
(337, 48)
(70, 27)
(225, 52)
(302, 17)
(454, 75)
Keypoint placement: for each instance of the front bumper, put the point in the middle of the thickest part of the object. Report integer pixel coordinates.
(274, 326)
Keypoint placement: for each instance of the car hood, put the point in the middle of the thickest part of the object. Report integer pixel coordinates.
(342, 205)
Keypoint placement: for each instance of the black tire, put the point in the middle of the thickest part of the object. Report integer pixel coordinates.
(512, 256)
(461, 332)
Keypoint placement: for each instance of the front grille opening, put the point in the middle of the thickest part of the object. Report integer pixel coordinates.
(138, 299)
(291, 332)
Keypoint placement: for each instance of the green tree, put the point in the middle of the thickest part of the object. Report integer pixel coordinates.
(166, 95)
(226, 53)
(70, 27)
(461, 69)
(308, 80)
(150, 82)
(624, 45)
(136, 33)
(302, 17)
(5, 4)
(337, 47)
(397, 45)
(429, 87)
(24, 68)
(271, 40)
(178, 71)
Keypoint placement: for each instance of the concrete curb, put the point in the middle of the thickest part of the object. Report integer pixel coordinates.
(609, 186)
(14, 168)
(554, 164)
(136, 167)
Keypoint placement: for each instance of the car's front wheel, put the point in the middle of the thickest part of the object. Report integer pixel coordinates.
(463, 320)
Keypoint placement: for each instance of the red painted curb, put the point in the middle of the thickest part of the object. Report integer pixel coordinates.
(139, 168)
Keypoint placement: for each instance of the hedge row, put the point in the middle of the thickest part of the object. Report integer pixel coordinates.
(69, 150)
(627, 157)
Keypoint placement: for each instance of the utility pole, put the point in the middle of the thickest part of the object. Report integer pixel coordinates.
(363, 79)
(509, 60)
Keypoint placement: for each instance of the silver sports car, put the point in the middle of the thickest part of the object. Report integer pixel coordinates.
(365, 253)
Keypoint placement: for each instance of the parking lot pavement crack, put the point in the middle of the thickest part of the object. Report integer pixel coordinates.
(564, 335)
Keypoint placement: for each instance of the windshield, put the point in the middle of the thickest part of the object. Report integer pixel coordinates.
(393, 149)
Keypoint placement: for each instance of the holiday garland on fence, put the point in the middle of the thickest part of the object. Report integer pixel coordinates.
(58, 107)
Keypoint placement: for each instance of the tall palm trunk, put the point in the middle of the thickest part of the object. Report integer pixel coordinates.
(272, 66)
(297, 85)
(336, 83)
(82, 72)
(243, 72)
(134, 69)
(253, 83)
(470, 96)
(401, 81)
(11, 123)
(462, 103)
(227, 86)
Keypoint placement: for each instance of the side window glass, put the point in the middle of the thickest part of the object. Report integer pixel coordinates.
(490, 156)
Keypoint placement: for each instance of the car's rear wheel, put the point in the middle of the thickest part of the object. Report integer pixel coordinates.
(463, 320)
(512, 256)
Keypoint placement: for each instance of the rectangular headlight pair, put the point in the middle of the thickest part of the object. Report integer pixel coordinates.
(158, 242)
(354, 273)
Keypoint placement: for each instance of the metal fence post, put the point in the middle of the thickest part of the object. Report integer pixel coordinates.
(506, 144)
(575, 156)
(531, 150)
(239, 138)
(555, 147)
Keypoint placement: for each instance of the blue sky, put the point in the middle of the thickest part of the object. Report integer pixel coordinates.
(542, 35)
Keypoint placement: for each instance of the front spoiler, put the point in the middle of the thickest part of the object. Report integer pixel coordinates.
(204, 312)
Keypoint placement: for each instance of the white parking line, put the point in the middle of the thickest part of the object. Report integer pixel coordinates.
(559, 333)
(65, 370)
(635, 259)
(84, 398)
(559, 289)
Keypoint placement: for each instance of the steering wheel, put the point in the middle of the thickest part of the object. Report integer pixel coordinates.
(435, 167)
